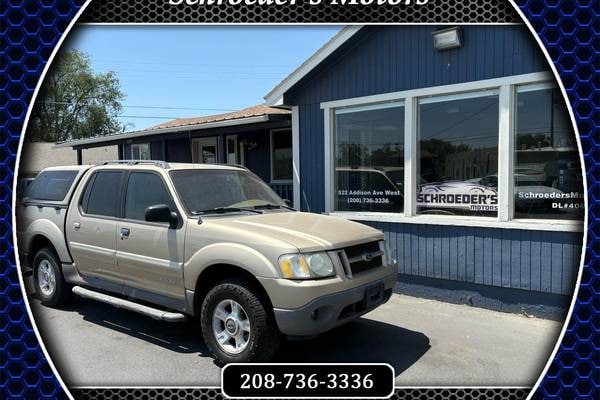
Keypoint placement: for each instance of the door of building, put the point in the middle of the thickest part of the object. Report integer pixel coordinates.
(206, 150)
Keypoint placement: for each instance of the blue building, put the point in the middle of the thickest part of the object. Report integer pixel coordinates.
(456, 142)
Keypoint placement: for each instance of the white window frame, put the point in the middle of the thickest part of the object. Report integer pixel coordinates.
(296, 156)
(506, 87)
(330, 146)
(139, 146)
(208, 141)
(271, 149)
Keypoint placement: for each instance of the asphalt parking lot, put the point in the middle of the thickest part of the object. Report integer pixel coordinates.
(428, 342)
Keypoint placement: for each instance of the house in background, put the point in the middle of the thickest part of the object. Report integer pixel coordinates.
(257, 137)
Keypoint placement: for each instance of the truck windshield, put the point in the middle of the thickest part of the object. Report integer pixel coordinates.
(203, 190)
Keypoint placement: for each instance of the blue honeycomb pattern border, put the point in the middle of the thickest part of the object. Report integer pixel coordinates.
(30, 29)
(570, 31)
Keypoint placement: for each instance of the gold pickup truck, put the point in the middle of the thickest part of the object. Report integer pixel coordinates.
(174, 241)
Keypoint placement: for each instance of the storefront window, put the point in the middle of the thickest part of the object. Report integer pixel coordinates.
(458, 154)
(369, 158)
(281, 155)
(547, 175)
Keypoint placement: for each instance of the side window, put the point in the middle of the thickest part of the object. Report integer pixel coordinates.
(51, 185)
(101, 195)
(281, 155)
(145, 189)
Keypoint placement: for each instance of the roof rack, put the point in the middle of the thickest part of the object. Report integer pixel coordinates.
(226, 165)
(158, 163)
(235, 165)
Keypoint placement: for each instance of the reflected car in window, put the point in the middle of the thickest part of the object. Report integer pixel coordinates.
(536, 195)
(457, 198)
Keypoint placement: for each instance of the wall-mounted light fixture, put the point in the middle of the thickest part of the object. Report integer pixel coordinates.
(446, 39)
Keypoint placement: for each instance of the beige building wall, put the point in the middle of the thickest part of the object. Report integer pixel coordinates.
(39, 155)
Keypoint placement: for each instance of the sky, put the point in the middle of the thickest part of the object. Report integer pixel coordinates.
(186, 71)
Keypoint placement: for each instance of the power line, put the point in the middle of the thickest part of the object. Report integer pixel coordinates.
(155, 107)
(194, 72)
(193, 77)
(146, 117)
(194, 64)
(183, 108)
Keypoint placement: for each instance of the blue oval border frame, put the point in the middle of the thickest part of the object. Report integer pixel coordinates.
(570, 32)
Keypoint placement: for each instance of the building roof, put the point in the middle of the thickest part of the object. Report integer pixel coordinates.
(254, 111)
(250, 115)
(275, 96)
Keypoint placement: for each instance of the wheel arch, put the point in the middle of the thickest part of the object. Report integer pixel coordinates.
(38, 242)
(46, 231)
(220, 272)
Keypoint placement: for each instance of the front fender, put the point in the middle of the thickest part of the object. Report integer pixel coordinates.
(49, 230)
(227, 253)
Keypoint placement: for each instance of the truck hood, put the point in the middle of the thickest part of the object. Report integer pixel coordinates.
(305, 231)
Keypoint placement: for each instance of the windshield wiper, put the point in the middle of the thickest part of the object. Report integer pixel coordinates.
(223, 210)
(271, 206)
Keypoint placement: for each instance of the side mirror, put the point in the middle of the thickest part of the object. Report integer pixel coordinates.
(162, 213)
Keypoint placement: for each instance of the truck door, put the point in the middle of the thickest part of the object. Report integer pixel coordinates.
(91, 229)
(150, 254)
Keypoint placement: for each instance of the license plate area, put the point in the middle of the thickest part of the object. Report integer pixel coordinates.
(373, 295)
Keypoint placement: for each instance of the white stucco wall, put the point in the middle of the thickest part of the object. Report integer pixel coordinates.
(39, 155)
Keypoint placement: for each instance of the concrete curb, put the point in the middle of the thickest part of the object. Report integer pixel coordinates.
(531, 304)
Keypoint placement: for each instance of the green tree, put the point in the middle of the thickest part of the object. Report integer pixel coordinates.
(75, 102)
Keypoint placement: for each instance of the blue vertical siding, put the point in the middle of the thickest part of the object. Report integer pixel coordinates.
(380, 59)
(156, 150)
(258, 160)
(312, 159)
(179, 150)
(510, 258)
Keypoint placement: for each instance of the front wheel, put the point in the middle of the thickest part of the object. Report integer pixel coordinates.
(48, 280)
(237, 325)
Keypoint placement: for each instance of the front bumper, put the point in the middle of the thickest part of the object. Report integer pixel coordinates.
(329, 311)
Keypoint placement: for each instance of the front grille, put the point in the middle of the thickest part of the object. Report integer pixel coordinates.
(363, 257)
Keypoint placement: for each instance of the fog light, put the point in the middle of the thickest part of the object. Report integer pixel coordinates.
(446, 39)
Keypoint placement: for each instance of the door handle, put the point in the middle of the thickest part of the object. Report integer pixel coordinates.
(76, 226)
(124, 233)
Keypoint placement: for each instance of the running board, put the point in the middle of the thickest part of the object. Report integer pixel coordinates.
(130, 305)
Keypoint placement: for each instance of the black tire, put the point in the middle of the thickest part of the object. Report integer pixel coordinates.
(62, 293)
(264, 339)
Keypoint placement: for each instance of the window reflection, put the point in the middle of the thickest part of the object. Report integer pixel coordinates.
(282, 155)
(547, 174)
(458, 154)
(369, 149)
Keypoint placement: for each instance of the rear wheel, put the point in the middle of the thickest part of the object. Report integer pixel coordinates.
(237, 325)
(48, 279)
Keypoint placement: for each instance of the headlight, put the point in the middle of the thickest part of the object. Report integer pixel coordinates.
(306, 266)
(320, 264)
